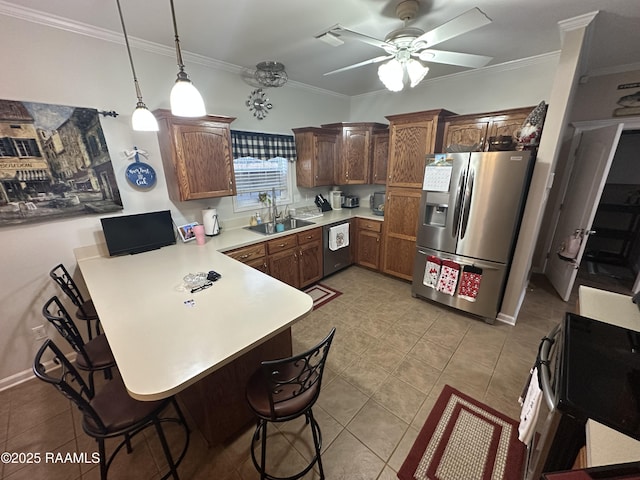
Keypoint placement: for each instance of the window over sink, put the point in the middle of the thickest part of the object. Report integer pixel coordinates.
(261, 163)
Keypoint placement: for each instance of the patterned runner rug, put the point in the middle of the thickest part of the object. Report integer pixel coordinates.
(321, 294)
(464, 439)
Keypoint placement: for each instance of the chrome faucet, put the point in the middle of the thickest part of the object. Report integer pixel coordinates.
(274, 210)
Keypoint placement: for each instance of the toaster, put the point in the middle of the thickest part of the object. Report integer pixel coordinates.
(351, 201)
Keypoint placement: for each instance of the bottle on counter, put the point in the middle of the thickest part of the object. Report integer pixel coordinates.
(253, 222)
(258, 219)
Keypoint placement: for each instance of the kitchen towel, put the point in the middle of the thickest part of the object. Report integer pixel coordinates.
(432, 271)
(530, 409)
(339, 236)
(448, 279)
(470, 282)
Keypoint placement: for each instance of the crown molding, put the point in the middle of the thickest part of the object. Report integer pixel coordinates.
(60, 23)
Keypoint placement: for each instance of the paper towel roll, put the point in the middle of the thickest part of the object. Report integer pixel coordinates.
(210, 221)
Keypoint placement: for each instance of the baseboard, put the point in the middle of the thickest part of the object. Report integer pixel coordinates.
(17, 379)
(26, 375)
(508, 319)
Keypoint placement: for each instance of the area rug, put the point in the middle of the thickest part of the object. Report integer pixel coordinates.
(321, 294)
(464, 439)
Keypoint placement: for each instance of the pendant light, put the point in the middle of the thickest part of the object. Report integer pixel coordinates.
(142, 119)
(185, 99)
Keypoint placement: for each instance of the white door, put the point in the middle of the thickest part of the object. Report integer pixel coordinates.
(588, 176)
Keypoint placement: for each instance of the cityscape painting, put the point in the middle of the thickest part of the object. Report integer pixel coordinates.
(54, 163)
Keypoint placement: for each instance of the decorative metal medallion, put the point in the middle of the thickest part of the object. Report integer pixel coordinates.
(259, 104)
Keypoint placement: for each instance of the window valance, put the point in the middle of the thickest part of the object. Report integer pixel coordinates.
(263, 146)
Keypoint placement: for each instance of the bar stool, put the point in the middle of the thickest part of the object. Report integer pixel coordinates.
(110, 412)
(85, 309)
(93, 355)
(285, 389)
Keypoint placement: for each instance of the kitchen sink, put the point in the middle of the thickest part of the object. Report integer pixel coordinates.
(289, 224)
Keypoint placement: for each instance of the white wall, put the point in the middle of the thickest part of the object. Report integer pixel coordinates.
(59, 67)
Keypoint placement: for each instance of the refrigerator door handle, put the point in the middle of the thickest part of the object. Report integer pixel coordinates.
(467, 204)
(458, 203)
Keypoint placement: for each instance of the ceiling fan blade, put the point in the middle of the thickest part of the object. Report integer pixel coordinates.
(454, 58)
(361, 64)
(341, 32)
(470, 20)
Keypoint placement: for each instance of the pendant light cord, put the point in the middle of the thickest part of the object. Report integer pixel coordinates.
(175, 30)
(126, 41)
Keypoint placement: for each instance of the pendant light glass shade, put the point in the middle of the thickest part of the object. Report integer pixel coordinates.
(185, 99)
(142, 119)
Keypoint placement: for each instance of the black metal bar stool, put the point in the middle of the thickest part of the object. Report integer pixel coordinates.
(110, 412)
(85, 309)
(285, 389)
(91, 356)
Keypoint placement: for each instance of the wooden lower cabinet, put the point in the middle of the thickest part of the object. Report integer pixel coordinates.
(400, 231)
(310, 260)
(369, 243)
(254, 255)
(296, 259)
(283, 265)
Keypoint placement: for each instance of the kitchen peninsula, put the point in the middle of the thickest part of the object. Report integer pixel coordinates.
(202, 346)
(203, 351)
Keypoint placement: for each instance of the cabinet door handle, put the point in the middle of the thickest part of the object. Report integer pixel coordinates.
(300, 252)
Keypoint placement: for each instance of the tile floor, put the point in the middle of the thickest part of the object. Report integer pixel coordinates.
(390, 358)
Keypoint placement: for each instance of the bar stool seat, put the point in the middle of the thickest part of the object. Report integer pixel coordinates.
(285, 389)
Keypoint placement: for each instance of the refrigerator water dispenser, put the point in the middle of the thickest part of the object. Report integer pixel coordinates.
(436, 215)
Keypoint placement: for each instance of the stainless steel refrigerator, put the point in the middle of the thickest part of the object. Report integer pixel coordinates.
(470, 214)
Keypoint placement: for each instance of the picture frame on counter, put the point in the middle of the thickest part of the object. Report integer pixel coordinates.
(186, 232)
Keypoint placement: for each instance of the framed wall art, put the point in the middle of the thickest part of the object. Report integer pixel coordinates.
(54, 163)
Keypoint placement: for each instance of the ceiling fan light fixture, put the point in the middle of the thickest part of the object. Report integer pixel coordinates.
(391, 74)
(185, 99)
(416, 71)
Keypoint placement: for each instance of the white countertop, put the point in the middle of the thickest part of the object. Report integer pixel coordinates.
(161, 344)
(606, 446)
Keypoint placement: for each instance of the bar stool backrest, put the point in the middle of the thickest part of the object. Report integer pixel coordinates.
(68, 286)
(56, 314)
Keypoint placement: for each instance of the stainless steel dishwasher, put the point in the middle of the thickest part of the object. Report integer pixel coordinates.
(334, 260)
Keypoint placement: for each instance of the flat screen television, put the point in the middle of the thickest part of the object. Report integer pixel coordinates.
(130, 234)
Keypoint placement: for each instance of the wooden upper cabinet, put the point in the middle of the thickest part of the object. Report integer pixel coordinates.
(471, 133)
(412, 137)
(355, 151)
(196, 155)
(316, 150)
(380, 160)
(465, 135)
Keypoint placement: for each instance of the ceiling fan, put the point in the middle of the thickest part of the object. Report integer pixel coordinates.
(407, 45)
